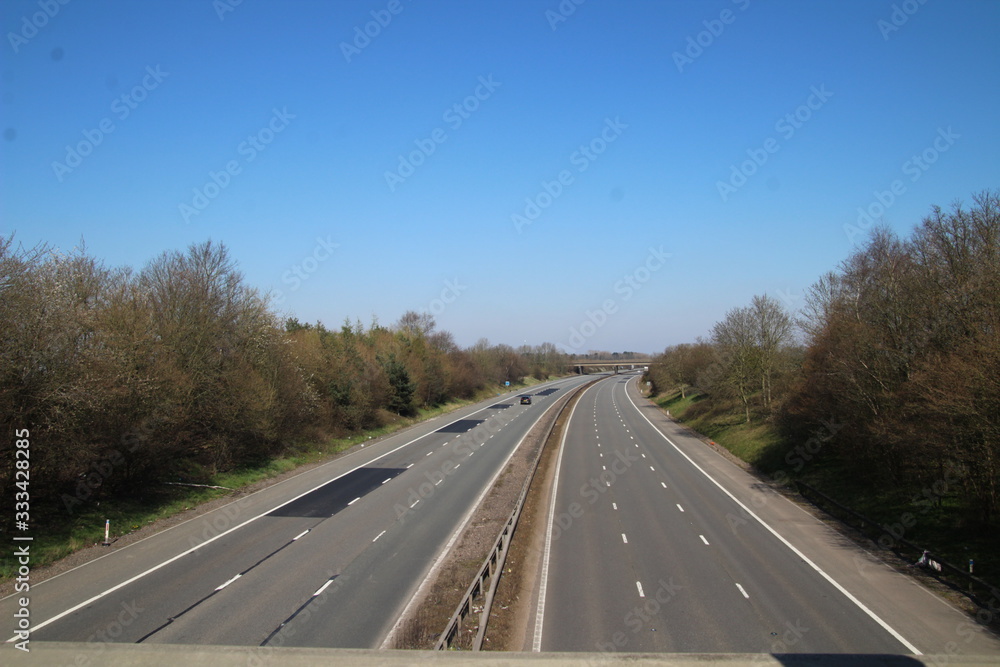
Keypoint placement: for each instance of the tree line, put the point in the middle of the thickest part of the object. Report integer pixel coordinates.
(892, 366)
(182, 369)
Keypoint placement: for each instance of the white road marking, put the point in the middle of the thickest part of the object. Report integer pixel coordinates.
(457, 466)
(902, 640)
(679, 507)
(663, 484)
(614, 506)
(229, 582)
(638, 585)
(703, 539)
(378, 536)
(747, 596)
(414, 503)
(323, 587)
(536, 643)
(624, 539)
(301, 534)
(354, 501)
(652, 468)
(386, 480)
(409, 466)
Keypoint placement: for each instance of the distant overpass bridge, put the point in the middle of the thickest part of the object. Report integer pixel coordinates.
(617, 365)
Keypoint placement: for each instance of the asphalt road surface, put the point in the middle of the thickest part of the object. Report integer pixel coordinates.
(328, 558)
(646, 553)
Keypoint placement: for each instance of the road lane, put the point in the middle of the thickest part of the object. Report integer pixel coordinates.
(684, 580)
(263, 563)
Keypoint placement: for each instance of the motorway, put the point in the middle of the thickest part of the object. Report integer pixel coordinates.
(653, 544)
(327, 558)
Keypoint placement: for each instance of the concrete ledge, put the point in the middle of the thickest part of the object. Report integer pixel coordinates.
(142, 655)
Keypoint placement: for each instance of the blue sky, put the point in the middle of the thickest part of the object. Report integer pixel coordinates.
(738, 137)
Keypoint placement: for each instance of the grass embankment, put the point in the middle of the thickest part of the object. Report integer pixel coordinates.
(930, 518)
(61, 528)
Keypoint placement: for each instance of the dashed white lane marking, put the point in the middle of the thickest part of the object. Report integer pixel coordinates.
(378, 536)
(885, 626)
(652, 468)
(354, 501)
(624, 539)
(302, 534)
(386, 480)
(663, 484)
(614, 506)
(679, 507)
(323, 587)
(604, 467)
(414, 503)
(638, 585)
(438, 482)
(409, 466)
(703, 539)
(457, 466)
(643, 456)
(745, 594)
(229, 582)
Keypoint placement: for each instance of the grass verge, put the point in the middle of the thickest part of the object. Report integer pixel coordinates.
(934, 522)
(69, 527)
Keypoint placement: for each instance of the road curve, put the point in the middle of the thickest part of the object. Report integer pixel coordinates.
(650, 551)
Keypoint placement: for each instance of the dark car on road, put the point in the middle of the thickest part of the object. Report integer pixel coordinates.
(526, 400)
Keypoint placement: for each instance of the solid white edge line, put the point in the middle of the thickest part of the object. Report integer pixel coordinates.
(163, 564)
(536, 642)
(436, 565)
(788, 544)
